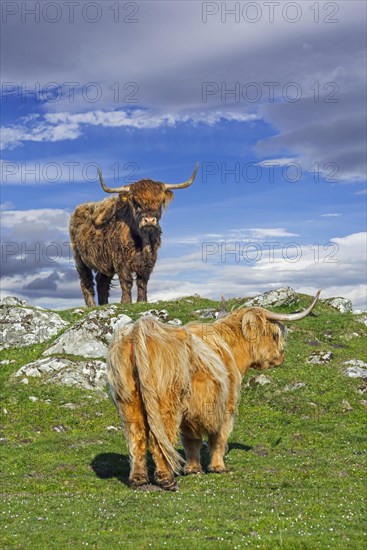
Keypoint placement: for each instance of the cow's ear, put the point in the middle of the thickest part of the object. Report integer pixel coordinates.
(252, 325)
(124, 197)
(168, 197)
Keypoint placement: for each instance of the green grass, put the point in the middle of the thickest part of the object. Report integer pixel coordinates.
(296, 459)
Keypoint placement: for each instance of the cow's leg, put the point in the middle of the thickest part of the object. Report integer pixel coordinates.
(86, 280)
(126, 283)
(103, 288)
(136, 434)
(164, 475)
(142, 283)
(192, 448)
(218, 446)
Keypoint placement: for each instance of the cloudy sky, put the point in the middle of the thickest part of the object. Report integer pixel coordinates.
(269, 97)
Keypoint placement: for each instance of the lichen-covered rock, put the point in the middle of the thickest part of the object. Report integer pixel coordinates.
(88, 375)
(362, 319)
(90, 336)
(175, 322)
(161, 315)
(341, 304)
(356, 368)
(320, 357)
(12, 301)
(207, 313)
(294, 386)
(25, 326)
(258, 380)
(284, 296)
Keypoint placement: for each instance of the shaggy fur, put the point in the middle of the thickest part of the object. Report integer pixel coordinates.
(110, 237)
(168, 380)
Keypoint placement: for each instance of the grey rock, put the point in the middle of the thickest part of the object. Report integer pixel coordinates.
(294, 386)
(59, 429)
(7, 361)
(356, 363)
(259, 380)
(346, 405)
(355, 372)
(33, 398)
(320, 357)
(112, 429)
(24, 326)
(341, 304)
(207, 313)
(161, 314)
(284, 296)
(89, 375)
(120, 322)
(90, 336)
(352, 335)
(176, 322)
(362, 320)
(12, 301)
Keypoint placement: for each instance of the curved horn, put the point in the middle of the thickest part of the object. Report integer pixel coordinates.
(122, 189)
(185, 183)
(292, 316)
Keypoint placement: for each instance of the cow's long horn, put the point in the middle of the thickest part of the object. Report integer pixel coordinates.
(122, 189)
(292, 316)
(185, 183)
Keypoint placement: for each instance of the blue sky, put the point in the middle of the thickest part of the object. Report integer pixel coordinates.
(273, 111)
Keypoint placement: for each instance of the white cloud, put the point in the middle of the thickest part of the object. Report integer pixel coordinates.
(339, 268)
(332, 215)
(14, 136)
(55, 219)
(260, 233)
(7, 205)
(278, 162)
(67, 126)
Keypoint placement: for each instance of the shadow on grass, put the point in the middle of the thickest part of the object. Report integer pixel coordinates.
(109, 465)
(115, 465)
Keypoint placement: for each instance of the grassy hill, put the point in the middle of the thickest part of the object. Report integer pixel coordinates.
(296, 460)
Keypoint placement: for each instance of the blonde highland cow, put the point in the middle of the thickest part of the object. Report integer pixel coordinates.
(168, 380)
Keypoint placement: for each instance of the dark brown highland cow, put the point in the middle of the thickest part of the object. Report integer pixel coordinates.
(120, 235)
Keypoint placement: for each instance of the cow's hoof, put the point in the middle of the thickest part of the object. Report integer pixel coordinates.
(216, 470)
(168, 485)
(193, 471)
(137, 482)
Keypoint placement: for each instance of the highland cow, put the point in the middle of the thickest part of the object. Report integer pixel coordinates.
(167, 380)
(120, 235)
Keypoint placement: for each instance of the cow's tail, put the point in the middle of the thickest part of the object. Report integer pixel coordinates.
(161, 357)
